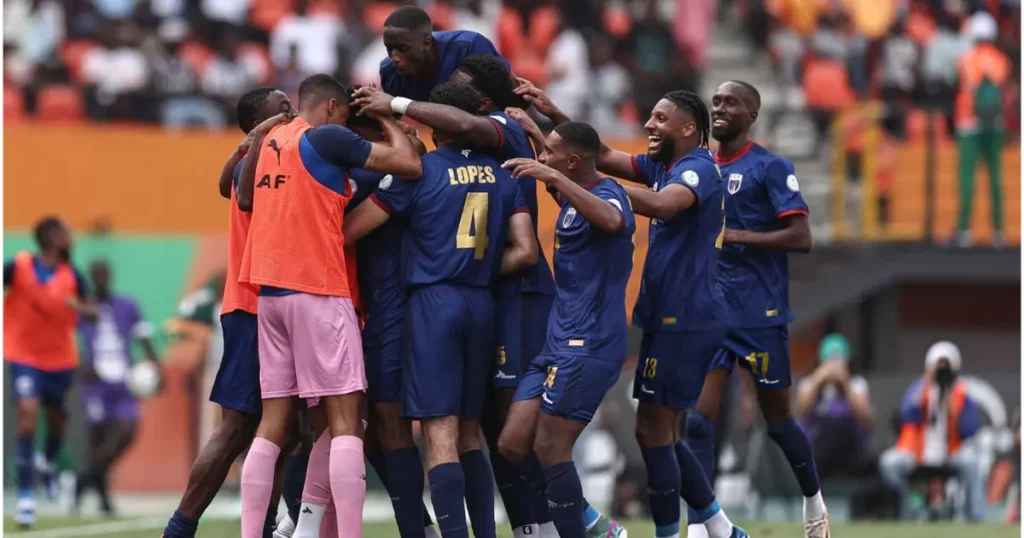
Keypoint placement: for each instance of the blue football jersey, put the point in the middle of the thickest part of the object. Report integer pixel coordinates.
(378, 255)
(456, 217)
(762, 188)
(516, 143)
(451, 49)
(679, 290)
(592, 269)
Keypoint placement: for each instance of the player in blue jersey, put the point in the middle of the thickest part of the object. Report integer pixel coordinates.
(680, 307)
(466, 221)
(585, 346)
(419, 58)
(522, 300)
(766, 218)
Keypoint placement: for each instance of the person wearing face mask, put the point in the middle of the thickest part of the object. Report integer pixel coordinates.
(937, 418)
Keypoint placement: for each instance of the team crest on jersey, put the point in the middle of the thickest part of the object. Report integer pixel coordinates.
(570, 215)
(465, 153)
(385, 182)
(792, 183)
(735, 180)
(353, 185)
(691, 178)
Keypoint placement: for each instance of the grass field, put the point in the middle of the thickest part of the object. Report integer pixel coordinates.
(151, 527)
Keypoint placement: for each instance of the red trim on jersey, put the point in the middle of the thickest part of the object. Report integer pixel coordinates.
(379, 203)
(736, 157)
(792, 212)
(636, 168)
(521, 210)
(501, 133)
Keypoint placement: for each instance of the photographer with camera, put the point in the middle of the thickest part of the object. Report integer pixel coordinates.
(937, 418)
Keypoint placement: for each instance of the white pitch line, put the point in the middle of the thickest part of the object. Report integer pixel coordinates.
(96, 529)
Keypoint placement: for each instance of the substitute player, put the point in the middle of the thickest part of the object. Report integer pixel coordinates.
(460, 215)
(766, 218)
(236, 388)
(586, 339)
(44, 295)
(419, 58)
(111, 411)
(522, 300)
(680, 307)
(309, 342)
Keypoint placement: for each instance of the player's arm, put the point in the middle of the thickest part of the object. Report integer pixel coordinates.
(537, 139)
(247, 177)
(599, 213)
(8, 274)
(414, 137)
(396, 155)
(227, 173)
(466, 127)
(80, 302)
(143, 331)
(522, 251)
(396, 198)
(663, 204)
(784, 192)
(363, 220)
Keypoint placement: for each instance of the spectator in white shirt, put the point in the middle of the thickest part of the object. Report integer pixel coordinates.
(316, 36)
(118, 67)
(230, 11)
(227, 76)
(568, 72)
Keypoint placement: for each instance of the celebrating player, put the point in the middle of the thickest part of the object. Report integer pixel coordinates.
(586, 337)
(419, 58)
(451, 258)
(522, 300)
(680, 307)
(111, 411)
(766, 218)
(309, 338)
(237, 386)
(44, 294)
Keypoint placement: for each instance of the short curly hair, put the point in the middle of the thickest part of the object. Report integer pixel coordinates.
(492, 78)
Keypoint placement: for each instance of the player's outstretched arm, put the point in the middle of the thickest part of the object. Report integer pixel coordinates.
(795, 237)
(227, 174)
(663, 204)
(363, 220)
(465, 127)
(247, 177)
(522, 251)
(600, 213)
(397, 156)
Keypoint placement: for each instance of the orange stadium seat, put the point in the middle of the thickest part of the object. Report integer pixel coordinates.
(375, 14)
(259, 55)
(73, 53)
(617, 22)
(827, 84)
(442, 14)
(195, 55)
(14, 104)
(265, 14)
(60, 104)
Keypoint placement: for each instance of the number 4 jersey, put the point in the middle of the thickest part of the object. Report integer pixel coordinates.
(679, 291)
(456, 217)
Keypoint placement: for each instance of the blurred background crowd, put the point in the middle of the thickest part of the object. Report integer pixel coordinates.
(863, 95)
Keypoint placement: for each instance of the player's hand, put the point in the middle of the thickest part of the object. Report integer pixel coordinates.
(409, 130)
(536, 97)
(729, 237)
(372, 102)
(270, 123)
(243, 148)
(530, 168)
(524, 119)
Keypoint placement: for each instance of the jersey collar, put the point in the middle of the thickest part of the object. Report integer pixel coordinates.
(739, 155)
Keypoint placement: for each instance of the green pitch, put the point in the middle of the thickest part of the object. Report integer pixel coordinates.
(151, 528)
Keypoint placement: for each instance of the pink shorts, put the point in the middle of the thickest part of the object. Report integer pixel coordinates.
(309, 347)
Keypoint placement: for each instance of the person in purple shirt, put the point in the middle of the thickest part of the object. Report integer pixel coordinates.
(420, 59)
(111, 410)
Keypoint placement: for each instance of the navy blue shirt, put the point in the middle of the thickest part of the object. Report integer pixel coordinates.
(43, 275)
(328, 152)
(762, 189)
(378, 255)
(516, 143)
(456, 217)
(451, 48)
(679, 291)
(591, 272)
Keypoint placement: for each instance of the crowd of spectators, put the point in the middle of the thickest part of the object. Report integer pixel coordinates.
(185, 62)
(831, 55)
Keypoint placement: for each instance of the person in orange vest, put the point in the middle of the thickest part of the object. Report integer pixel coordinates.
(983, 73)
(937, 418)
(295, 182)
(44, 295)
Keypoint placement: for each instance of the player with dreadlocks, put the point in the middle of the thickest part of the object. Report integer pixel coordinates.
(680, 308)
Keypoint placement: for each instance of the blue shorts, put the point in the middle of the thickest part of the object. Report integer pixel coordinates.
(671, 367)
(763, 351)
(569, 386)
(449, 348)
(383, 340)
(522, 321)
(237, 386)
(50, 388)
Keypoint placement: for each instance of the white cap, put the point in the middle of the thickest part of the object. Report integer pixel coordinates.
(981, 27)
(943, 350)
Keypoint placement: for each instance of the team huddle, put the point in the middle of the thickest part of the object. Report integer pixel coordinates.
(372, 283)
